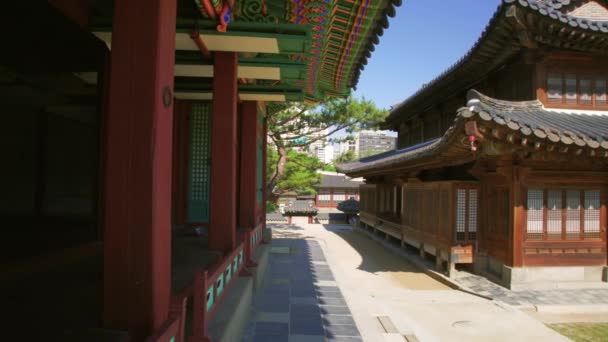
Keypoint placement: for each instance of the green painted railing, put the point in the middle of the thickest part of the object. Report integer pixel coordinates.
(211, 287)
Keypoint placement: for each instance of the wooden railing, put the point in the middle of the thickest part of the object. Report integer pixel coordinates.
(209, 288)
(168, 332)
(368, 218)
(256, 237)
(390, 227)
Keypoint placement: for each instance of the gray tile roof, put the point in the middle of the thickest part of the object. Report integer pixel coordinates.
(527, 118)
(394, 157)
(530, 118)
(301, 208)
(555, 10)
(497, 43)
(338, 181)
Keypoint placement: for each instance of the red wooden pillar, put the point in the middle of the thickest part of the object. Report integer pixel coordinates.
(181, 139)
(222, 222)
(264, 161)
(77, 10)
(248, 155)
(519, 216)
(137, 203)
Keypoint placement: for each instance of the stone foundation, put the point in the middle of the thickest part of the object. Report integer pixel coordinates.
(519, 278)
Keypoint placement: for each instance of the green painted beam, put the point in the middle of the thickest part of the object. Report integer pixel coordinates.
(291, 38)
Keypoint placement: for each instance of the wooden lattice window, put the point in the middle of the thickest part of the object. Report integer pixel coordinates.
(466, 214)
(472, 224)
(554, 88)
(324, 197)
(592, 214)
(461, 210)
(554, 214)
(563, 214)
(600, 92)
(199, 163)
(535, 214)
(573, 89)
(585, 91)
(573, 215)
(339, 196)
(570, 87)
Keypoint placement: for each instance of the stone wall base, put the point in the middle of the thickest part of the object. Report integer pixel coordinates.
(518, 278)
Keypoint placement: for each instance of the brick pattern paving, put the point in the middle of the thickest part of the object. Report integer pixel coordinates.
(586, 296)
(300, 301)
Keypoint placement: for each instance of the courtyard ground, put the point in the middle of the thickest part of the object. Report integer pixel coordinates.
(324, 278)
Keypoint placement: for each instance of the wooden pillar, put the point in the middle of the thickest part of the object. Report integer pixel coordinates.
(222, 223)
(264, 164)
(77, 10)
(181, 139)
(137, 203)
(248, 169)
(519, 216)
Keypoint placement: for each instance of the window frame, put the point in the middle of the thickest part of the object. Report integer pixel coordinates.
(563, 236)
(324, 193)
(584, 70)
(469, 231)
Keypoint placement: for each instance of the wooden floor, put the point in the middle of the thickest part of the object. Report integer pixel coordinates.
(63, 300)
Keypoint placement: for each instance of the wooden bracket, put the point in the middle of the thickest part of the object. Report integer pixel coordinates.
(470, 128)
(517, 22)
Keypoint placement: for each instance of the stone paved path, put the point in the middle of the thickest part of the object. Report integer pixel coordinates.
(582, 296)
(300, 301)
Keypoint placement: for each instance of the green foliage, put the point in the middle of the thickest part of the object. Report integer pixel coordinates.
(329, 167)
(271, 207)
(582, 332)
(272, 157)
(300, 173)
(292, 124)
(346, 157)
(297, 124)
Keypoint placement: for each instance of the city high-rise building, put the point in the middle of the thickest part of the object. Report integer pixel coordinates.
(374, 142)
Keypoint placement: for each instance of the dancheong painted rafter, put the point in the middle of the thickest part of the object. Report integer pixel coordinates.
(343, 34)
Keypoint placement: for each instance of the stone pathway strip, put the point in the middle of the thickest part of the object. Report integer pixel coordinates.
(524, 298)
(570, 297)
(300, 301)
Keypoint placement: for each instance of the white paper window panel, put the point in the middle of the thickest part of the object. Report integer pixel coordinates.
(472, 210)
(554, 88)
(600, 92)
(461, 197)
(554, 213)
(571, 91)
(592, 211)
(573, 212)
(585, 91)
(535, 212)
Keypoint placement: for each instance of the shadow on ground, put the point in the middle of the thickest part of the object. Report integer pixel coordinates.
(299, 299)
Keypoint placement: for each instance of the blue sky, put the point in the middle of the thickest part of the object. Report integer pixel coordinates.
(424, 39)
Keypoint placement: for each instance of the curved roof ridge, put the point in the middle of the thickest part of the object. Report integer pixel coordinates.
(545, 9)
(527, 119)
(531, 118)
(553, 9)
(475, 96)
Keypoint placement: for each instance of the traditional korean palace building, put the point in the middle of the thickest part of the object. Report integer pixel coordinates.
(502, 160)
(133, 139)
(335, 188)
